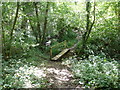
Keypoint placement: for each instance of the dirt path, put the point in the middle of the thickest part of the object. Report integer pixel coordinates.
(59, 75)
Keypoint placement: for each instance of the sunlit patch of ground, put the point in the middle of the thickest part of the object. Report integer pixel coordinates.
(30, 76)
(57, 75)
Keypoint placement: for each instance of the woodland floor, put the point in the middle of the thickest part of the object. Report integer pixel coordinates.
(59, 76)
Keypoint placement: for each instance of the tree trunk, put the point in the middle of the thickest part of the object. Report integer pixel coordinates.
(119, 17)
(14, 23)
(45, 24)
(24, 20)
(3, 43)
(23, 23)
(38, 23)
(34, 32)
(88, 26)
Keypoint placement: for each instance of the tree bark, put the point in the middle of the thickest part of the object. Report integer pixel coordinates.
(24, 20)
(14, 23)
(34, 32)
(38, 23)
(45, 24)
(3, 43)
(119, 17)
(88, 26)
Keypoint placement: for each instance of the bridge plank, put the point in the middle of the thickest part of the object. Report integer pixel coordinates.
(60, 54)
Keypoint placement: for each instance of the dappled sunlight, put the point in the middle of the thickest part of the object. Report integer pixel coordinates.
(27, 74)
(55, 75)
(27, 84)
(31, 70)
(39, 73)
(59, 76)
(52, 70)
(63, 75)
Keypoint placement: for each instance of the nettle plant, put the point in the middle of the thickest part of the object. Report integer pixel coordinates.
(97, 72)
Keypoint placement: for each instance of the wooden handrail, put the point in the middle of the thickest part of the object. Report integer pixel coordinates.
(63, 43)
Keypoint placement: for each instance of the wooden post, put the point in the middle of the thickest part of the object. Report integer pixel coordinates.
(62, 43)
(50, 53)
(65, 44)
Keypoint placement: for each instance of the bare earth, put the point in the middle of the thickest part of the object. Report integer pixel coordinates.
(59, 76)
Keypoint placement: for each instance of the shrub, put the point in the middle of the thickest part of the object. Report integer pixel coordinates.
(97, 72)
(21, 74)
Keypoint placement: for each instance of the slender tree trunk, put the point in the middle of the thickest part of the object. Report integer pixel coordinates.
(24, 20)
(23, 23)
(14, 23)
(45, 24)
(38, 23)
(34, 32)
(117, 12)
(88, 25)
(3, 43)
(119, 17)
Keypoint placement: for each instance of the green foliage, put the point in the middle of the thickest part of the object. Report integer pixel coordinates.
(65, 21)
(58, 47)
(34, 55)
(21, 74)
(107, 43)
(97, 72)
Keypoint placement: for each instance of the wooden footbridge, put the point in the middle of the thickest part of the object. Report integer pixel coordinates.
(62, 53)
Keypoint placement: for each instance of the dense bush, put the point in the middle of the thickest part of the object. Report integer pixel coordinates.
(106, 43)
(97, 72)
